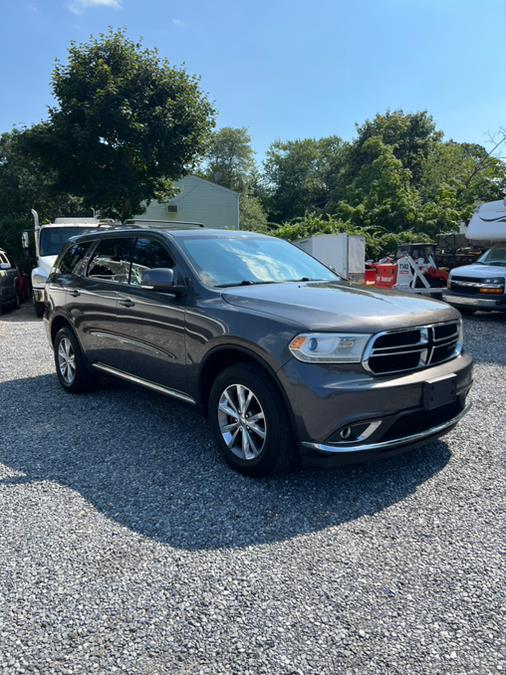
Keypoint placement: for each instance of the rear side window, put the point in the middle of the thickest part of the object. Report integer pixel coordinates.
(111, 261)
(148, 254)
(73, 256)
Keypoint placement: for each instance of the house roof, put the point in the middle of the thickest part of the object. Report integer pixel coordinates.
(203, 180)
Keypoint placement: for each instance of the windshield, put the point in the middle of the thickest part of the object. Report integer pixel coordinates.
(494, 256)
(52, 239)
(234, 261)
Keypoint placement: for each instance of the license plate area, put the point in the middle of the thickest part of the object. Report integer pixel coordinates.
(439, 392)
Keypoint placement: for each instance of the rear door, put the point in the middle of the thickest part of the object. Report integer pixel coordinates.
(152, 324)
(93, 301)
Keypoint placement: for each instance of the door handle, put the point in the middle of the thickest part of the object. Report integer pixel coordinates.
(74, 293)
(127, 302)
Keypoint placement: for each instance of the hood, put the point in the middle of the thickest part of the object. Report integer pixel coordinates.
(337, 306)
(45, 265)
(478, 271)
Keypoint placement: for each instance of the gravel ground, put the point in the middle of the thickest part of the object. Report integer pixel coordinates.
(125, 544)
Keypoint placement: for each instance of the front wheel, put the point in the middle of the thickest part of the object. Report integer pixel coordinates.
(250, 422)
(38, 308)
(72, 369)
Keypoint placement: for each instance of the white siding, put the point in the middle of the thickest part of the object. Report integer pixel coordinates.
(199, 201)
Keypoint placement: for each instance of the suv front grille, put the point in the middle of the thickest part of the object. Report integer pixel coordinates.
(472, 286)
(402, 350)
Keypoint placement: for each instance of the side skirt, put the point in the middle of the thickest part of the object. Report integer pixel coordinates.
(144, 383)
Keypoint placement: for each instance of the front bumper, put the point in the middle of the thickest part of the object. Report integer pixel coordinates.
(322, 454)
(475, 302)
(389, 410)
(38, 295)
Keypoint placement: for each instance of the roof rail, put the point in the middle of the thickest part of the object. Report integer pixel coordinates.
(166, 224)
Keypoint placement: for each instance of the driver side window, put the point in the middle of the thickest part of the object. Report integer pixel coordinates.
(148, 254)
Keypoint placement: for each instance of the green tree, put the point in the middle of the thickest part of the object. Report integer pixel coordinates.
(299, 174)
(230, 159)
(252, 214)
(125, 124)
(25, 184)
(410, 135)
(380, 194)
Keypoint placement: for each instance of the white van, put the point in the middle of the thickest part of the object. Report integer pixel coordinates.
(481, 286)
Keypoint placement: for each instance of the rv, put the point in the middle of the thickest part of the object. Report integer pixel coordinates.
(481, 286)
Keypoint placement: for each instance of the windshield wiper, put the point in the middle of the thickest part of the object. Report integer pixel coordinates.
(246, 282)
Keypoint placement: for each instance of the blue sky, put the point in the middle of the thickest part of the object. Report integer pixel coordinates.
(285, 68)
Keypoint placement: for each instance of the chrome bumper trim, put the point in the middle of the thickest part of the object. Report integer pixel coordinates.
(394, 443)
(475, 302)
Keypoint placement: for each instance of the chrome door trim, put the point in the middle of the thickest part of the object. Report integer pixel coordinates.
(144, 383)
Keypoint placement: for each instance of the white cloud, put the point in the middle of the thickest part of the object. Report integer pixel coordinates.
(80, 6)
(178, 22)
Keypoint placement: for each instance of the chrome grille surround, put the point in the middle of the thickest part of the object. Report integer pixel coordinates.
(426, 345)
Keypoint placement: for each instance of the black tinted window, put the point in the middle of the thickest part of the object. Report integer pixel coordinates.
(72, 257)
(111, 261)
(148, 254)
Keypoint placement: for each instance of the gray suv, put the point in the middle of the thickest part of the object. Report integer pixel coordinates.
(287, 359)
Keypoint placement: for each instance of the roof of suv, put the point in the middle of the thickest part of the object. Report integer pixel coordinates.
(198, 232)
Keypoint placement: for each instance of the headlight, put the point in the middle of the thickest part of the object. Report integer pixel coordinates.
(329, 347)
(38, 280)
(3, 273)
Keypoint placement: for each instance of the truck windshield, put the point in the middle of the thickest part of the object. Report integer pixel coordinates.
(235, 261)
(494, 256)
(52, 239)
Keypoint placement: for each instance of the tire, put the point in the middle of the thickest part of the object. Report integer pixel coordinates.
(77, 378)
(39, 309)
(260, 455)
(467, 311)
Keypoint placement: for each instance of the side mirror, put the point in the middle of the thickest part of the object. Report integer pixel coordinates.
(160, 279)
(25, 241)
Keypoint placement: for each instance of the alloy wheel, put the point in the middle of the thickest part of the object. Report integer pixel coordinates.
(66, 360)
(242, 421)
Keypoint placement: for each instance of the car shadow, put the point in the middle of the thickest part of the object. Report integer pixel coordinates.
(23, 313)
(148, 463)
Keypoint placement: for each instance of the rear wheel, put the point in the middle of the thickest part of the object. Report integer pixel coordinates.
(250, 422)
(73, 371)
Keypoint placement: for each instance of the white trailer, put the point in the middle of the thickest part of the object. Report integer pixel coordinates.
(345, 253)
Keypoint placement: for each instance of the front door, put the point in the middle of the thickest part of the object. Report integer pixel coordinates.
(151, 324)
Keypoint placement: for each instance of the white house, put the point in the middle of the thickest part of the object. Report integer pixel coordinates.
(198, 201)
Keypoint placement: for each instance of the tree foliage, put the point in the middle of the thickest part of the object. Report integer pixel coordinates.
(125, 124)
(397, 174)
(230, 159)
(299, 174)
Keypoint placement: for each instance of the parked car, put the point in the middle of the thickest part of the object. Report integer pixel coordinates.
(9, 296)
(481, 286)
(286, 359)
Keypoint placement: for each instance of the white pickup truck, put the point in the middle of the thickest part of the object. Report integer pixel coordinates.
(482, 285)
(49, 240)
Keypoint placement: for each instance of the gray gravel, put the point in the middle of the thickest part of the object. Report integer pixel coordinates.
(125, 544)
